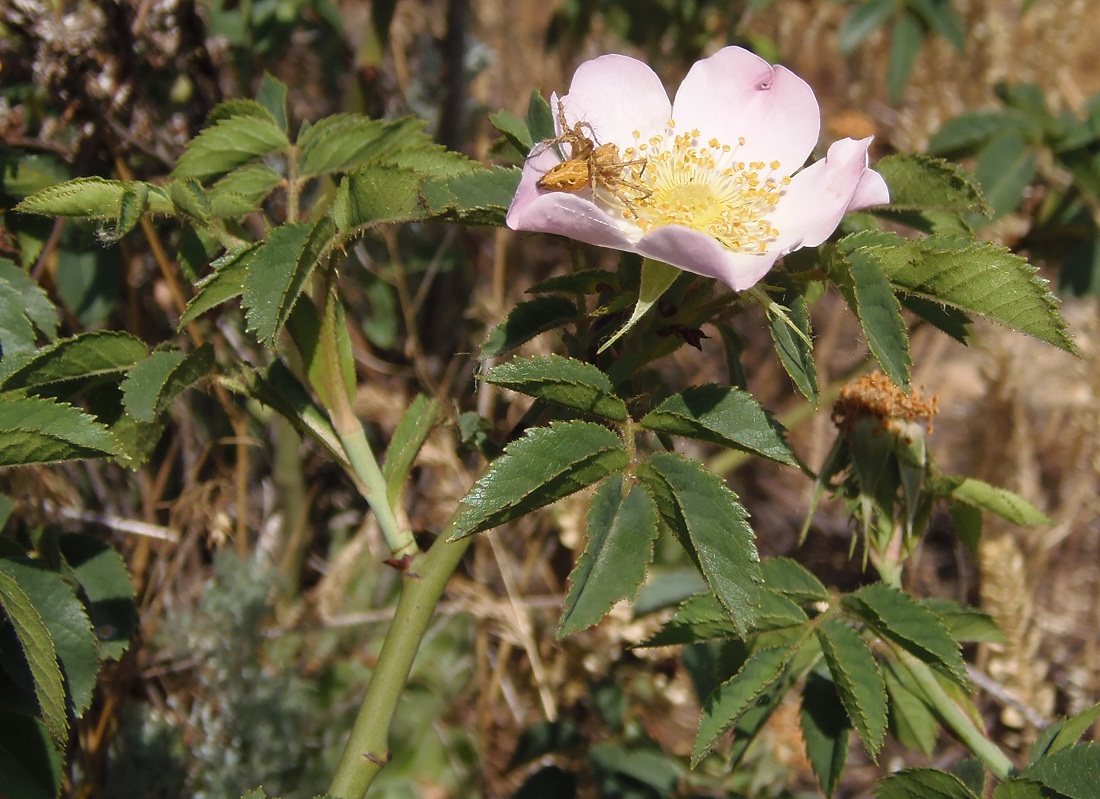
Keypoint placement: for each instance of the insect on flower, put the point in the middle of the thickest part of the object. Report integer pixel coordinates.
(591, 165)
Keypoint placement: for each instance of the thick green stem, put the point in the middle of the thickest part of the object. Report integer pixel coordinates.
(367, 750)
(956, 719)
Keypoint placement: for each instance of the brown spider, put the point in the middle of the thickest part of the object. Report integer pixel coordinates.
(591, 165)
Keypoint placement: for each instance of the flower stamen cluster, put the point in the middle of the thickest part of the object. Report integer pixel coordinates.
(682, 181)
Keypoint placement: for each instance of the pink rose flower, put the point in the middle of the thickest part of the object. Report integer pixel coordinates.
(709, 183)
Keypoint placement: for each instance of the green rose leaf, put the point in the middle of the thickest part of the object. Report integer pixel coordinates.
(825, 730)
(895, 615)
(926, 783)
(735, 696)
(711, 524)
(278, 272)
(155, 383)
(36, 430)
(548, 463)
(858, 680)
(721, 415)
(622, 524)
(565, 381)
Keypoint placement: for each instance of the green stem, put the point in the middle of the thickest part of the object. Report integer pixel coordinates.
(372, 485)
(956, 719)
(367, 749)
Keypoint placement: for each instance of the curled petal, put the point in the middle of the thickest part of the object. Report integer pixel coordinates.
(616, 95)
(872, 190)
(735, 94)
(819, 195)
(566, 215)
(697, 252)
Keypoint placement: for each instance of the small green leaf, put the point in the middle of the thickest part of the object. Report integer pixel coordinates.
(777, 612)
(61, 611)
(998, 501)
(1024, 789)
(280, 390)
(722, 415)
(540, 118)
(155, 383)
(241, 191)
(478, 198)
(83, 198)
(411, 433)
(229, 143)
(622, 523)
(223, 284)
(657, 277)
(526, 321)
(911, 721)
(239, 108)
(858, 680)
(792, 579)
(922, 783)
(825, 731)
(343, 142)
(1007, 165)
(951, 321)
(879, 314)
(967, 521)
(72, 363)
(34, 430)
(966, 133)
(1073, 728)
(108, 592)
(861, 22)
(975, 277)
(584, 281)
(278, 273)
(701, 617)
(564, 381)
(735, 696)
(795, 353)
(905, 41)
(32, 299)
(38, 650)
(376, 194)
(548, 463)
(711, 524)
(272, 96)
(190, 198)
(921, 182)
(29, 760)
(514, 129)
(659, 771)
(1073, 772)
(965, 623)
(940, 16)
(895, 615)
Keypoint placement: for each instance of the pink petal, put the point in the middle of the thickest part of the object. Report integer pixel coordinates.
(697, 252)
(819, 195)
(617, 95)
(564, 214)
(735, 93)
(872, 190)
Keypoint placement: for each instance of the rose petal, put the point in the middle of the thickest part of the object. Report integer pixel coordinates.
(567, 215)
(819, 195)
(697, 252)
(872, 190)
(616, 95)
(735, 93)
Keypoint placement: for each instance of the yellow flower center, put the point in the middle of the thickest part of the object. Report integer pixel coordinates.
(675, 179)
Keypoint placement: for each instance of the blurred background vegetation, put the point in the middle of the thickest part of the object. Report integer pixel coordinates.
(262, 594)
